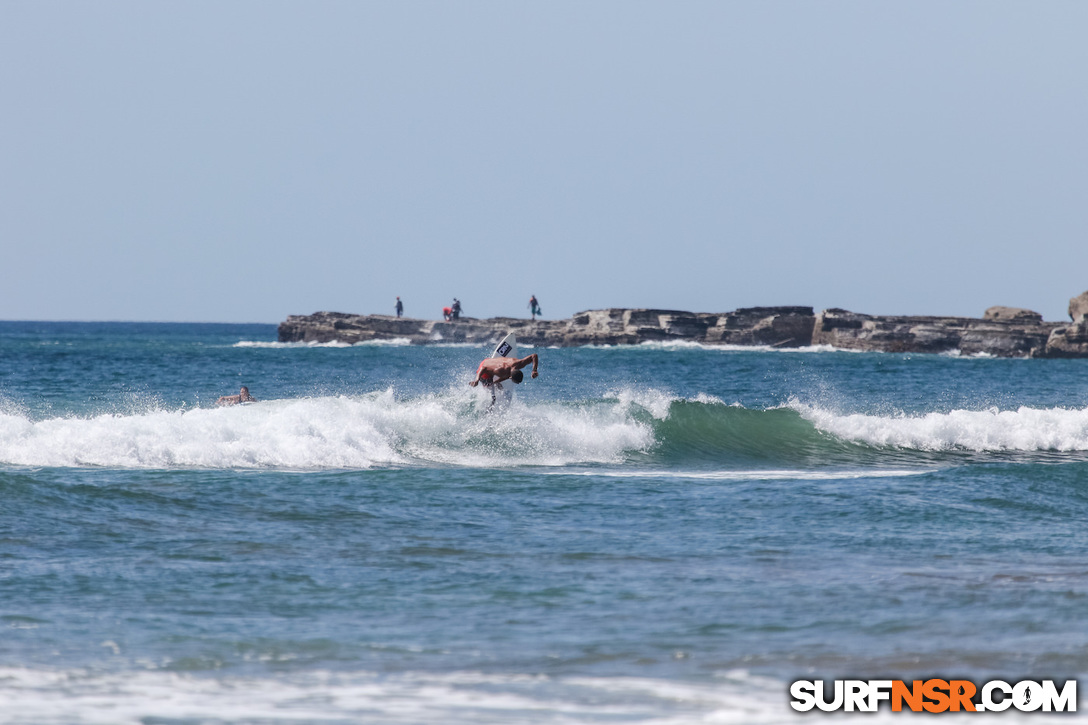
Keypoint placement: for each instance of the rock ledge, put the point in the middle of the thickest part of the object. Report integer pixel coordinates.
(1001, 332)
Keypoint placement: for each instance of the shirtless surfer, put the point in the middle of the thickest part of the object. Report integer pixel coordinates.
(494, 370)
(242, 397)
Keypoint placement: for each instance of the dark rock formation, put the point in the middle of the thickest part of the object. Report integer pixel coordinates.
(1071, 340)
(1068, 341)
(778, 326)
(1017, 337)
(351, 329)
(775, 326)
(1002, 331)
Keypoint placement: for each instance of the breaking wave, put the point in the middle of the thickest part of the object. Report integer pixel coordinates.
(627, 428)
(1023, 429)
(368, 431)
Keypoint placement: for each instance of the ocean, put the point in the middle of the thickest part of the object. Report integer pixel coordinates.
(645, 534)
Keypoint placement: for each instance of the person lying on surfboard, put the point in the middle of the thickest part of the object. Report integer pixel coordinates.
(494, 370)
(242, 397)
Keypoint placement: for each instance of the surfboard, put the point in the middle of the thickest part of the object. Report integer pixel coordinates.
(507, 347)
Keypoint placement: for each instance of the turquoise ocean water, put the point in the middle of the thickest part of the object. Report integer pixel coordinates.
(651, 534)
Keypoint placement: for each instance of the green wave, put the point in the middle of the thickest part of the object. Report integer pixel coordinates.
(714, 433)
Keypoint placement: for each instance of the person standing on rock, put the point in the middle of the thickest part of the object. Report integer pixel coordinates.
(534, 307)
(455, 310)
(400, 307)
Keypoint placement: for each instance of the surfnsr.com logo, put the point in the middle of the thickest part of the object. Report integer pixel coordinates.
(934, 696)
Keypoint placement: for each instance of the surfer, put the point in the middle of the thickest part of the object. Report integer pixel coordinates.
(242, 397)
(494, 370)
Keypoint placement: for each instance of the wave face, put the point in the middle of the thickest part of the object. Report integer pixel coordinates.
(456, 428)
(713, 433)
(805, 436)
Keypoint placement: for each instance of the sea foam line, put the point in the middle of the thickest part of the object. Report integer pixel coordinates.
(394, 342)
(1023, 429)
(682, 345)
(750, 475)
(82, 697)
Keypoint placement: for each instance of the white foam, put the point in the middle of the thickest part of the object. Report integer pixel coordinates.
(656, 402)
(706, 399)
(659, 403)
(1023, 429)
(957, 353)
(377, 429)
(807, 349)
(751, 475)
(673, 345)
(80, 697)
(393, 342)
(679, 345)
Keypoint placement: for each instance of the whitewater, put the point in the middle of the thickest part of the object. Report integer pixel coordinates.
(458, 429)
(656, 533)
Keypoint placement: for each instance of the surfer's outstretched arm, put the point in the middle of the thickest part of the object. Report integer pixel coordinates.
(526, 360)
(479, 372)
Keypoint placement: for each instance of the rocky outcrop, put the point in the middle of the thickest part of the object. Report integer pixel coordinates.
(322, 327)
(1017, 337)
(1078, 307)
(774, 326)
(777, 326)
(1011, 314)
(1002, 331)
(1068, 341)
(1071, 340)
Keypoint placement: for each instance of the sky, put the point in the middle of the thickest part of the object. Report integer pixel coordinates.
(244, 161)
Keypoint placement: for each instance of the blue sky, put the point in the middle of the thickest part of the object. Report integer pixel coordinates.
(242, 161)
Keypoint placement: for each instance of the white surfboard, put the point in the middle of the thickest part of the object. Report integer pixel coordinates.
(507, 347)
